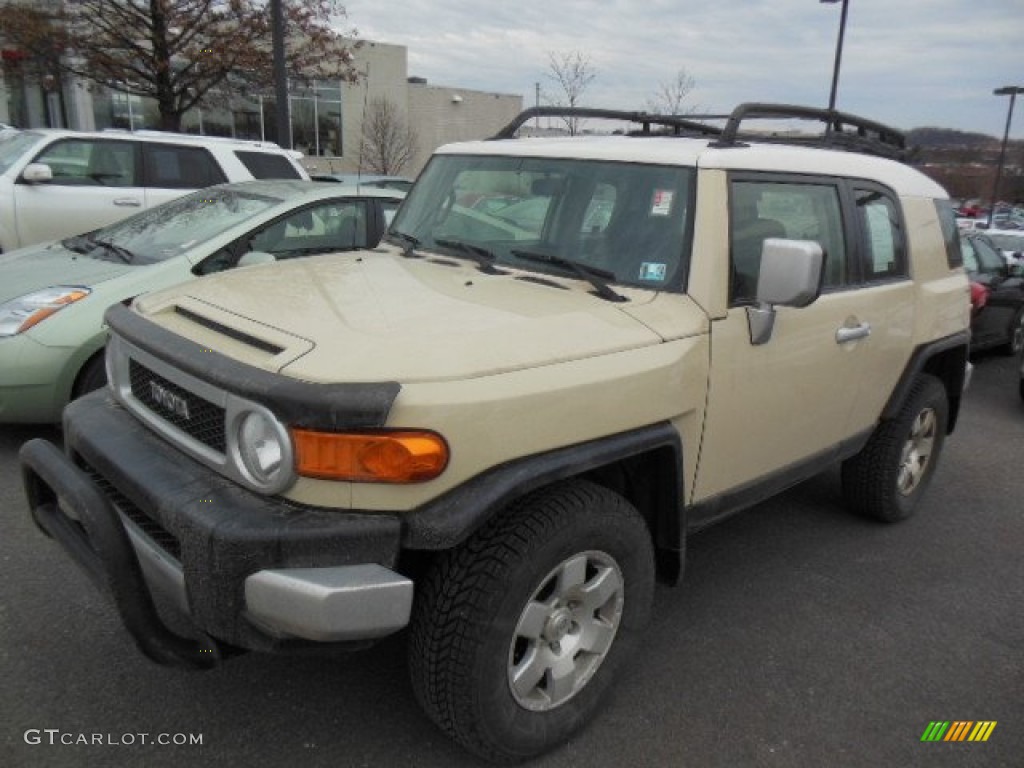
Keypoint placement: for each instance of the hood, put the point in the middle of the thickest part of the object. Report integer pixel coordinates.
(375, 316)
(40, 266)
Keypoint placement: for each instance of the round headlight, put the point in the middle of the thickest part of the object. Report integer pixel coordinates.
(261, 447)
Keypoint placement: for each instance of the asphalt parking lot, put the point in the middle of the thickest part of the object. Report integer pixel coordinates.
(802, 636)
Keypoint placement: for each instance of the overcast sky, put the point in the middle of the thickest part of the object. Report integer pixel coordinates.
(908, 63)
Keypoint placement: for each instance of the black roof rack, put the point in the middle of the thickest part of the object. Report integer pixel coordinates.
(679, 125)
(842, 130)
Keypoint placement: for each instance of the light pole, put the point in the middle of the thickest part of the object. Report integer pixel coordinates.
(839, 52)
(277, 30)
(1011, 91)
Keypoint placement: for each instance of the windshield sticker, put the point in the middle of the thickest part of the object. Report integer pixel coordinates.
(652, 271)
(661, 204)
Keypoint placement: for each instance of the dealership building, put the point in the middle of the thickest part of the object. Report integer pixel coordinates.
(326, 116)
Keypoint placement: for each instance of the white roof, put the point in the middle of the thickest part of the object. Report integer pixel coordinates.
(160, 136)
(691, 152)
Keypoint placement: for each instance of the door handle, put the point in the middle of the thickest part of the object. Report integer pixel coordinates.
(846, 334)
(132, 202)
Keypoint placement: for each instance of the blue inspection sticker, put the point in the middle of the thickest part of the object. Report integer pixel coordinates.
(652, 270)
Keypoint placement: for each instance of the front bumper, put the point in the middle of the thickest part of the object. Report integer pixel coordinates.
(153, 527)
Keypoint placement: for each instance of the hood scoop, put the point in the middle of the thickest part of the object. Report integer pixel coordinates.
(233, 333)
(216, 330)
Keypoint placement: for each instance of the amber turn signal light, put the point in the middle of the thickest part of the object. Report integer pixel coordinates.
(400, 456)
(46, 310)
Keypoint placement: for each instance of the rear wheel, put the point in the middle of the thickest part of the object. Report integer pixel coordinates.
(519, 632)
(1015, 342)
(890, 474)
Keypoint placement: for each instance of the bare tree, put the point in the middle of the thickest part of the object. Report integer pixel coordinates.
(174, 51)
(572, 73)
(670, 98)
(389, 142)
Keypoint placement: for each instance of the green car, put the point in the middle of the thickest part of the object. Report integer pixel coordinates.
(53, 296)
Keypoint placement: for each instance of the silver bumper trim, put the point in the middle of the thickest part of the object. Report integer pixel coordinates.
(348, 602)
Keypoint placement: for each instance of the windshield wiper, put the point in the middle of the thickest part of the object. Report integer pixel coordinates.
(483, 257)
(596, 276)
(77, 244)
(121, 252)
(408, 242)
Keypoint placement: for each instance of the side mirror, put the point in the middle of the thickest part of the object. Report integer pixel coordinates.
(256, 257)
(37, 173)
(792, 274)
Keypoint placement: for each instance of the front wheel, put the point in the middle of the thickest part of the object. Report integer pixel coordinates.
(890, 474)
(519, 632)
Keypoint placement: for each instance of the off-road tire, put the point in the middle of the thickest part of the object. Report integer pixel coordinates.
(887, 478)
(467, 637)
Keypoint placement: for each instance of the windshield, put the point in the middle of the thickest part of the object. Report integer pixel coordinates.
(979, 258)
(13, 147)
(167, 230)
(626, 221)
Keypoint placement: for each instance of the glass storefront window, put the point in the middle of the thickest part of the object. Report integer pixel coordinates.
(316, 110)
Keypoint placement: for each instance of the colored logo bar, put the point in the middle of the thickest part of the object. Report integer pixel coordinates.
(958, 730)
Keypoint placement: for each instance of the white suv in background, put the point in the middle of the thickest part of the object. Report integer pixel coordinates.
(58, 183)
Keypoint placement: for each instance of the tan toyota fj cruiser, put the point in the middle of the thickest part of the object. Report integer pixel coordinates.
(498, 427)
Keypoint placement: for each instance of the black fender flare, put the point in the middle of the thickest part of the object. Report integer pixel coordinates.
(451, 518)
(945, 358)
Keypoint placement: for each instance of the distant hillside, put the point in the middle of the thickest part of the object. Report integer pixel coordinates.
(965, 163)
(946, 138)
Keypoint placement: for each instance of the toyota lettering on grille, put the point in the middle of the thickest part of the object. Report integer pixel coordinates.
(168, 400)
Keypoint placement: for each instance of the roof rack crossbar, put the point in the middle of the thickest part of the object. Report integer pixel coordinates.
(841, 128)
(689, 124)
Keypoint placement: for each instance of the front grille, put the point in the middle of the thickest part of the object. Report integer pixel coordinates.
(163, 538)
(196, 417)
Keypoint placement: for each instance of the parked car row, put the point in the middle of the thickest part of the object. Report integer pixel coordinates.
(53, 296)
(1010, 242)
(58, 183)
(972, 215)
(89, 219)
(997, 296)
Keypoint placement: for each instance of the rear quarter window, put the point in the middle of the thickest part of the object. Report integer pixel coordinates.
(170, 167)
(882, 230)
(263, 165)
